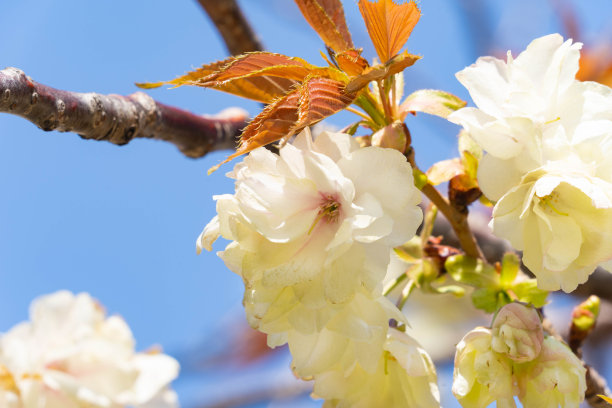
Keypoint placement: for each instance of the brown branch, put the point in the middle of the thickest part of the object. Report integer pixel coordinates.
(115, 118)
(457, 220)
(596, 385)
(237, 34)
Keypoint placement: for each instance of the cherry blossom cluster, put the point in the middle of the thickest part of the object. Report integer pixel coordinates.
(548, 143)
(311, 232)
(513, 358)
(70, 355)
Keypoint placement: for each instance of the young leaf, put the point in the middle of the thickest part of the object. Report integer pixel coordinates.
(261, 64)
(351, 62)
(273, 123)
(431, 101)
(489, 300)
(471, 271)
(509, 269)
(444, 170)
(314, 100)
(382, 71)
(326, 17)
(389, 24)
(191, 77)
(260, 85)
(320, 98)
(528, 292)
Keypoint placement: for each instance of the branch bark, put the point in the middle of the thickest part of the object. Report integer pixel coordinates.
(115, 118)
(237, 34)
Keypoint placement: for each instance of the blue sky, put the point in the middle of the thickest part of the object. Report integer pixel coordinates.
(121, 222)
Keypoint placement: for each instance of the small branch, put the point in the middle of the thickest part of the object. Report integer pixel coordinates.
(115, 118)
(237, 34)
(596, 385)
(457, 220)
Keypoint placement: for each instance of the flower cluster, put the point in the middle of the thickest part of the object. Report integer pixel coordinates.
(311, 229)
(548, 139)
(70, 356)
(513, 358)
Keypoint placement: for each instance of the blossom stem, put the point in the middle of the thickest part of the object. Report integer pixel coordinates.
(356, 112)
(395, 284)
(366, 102)
(406, 293)
(384, 99)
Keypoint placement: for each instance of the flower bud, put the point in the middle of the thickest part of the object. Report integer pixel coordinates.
(517, 332)
(558, 378)
(392, 136)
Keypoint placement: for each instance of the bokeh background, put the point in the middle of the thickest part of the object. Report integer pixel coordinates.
(121, 222)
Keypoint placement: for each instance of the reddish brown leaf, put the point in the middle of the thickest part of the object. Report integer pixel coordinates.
(276, 121)
(320, 98)
(326, 17)
(314, 100)
(261, 64)
(382, 71)
(351, 62)
(193, 76)
(389, 24)
(263, 86)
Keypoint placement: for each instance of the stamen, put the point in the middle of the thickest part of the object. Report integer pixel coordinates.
(329, 210)
(547, 202)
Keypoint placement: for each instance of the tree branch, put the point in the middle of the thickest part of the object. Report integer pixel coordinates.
(237, 34)
(115, 118)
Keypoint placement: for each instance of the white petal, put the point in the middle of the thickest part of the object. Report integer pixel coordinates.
(487, 82)
(208, 236)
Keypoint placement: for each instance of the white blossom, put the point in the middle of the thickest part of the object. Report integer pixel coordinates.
(405, 377)
(563, 223)
(69, 355)
(557, 378)
(512, 359)
(321, 334)
(482, 375)
(323, 207)
(547, 139)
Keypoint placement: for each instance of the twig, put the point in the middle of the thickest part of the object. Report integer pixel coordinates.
(457, 220)
(596, 385)
(115, 118)
(237, 34)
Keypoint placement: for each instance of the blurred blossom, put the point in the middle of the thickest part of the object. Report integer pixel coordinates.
(69, 355)
(404, 377)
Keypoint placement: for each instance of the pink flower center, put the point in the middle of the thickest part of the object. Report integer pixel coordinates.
(329, 210)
